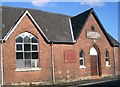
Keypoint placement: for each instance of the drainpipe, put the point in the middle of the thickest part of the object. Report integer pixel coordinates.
(114, 54)
(53, 67)
(1, 41)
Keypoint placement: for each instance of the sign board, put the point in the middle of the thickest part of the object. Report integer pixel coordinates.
(93, 35)
(70, 56)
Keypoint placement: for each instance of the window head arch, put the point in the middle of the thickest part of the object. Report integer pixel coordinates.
(26, 51)
(81, 53)
(93, 51)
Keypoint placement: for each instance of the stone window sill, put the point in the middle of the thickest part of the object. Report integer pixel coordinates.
(107, 65)
(27, 69)
(82, 67)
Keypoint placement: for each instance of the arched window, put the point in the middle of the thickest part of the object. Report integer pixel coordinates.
(107, 58)
(82, 60)
(26, 51)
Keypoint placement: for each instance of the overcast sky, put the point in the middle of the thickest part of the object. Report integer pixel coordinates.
(106, 11)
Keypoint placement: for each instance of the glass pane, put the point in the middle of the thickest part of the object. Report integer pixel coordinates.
(20, 63)
(34, 55)
(27, 55)
(19, 55)
(34, 47)
(81, 62)
(27, 47)
(27, 63)
(34, 40)
(27, 39)
(106, 59)
(81, 54)
(18, 47)
(34, 63)
(19, 39)
(107, 54)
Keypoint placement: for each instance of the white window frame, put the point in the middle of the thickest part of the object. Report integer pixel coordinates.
(82, 58)
(107, 57)
(36, 64)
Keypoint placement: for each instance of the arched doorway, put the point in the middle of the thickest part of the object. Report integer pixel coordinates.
(95, 61)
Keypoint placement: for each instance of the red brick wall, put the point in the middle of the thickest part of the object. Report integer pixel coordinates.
(9, 55)
(62, 68)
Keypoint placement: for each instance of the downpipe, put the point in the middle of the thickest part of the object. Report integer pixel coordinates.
(53, 66)
(114, 53)
(2, 83)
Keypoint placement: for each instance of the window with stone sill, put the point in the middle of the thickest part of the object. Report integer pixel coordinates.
(107, 58)
(82, 59)
(27, 51)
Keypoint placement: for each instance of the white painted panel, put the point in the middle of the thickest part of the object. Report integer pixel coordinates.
(93, 51)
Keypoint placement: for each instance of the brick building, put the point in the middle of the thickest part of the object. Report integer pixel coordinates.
(38, 46)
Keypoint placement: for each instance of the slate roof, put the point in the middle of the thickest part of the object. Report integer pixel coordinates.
(79, 21)
(56, 27)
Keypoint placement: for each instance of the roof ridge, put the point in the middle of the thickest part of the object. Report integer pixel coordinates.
(89, 10)
(36, 10)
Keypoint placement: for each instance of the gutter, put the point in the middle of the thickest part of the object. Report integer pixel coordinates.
(53, 66)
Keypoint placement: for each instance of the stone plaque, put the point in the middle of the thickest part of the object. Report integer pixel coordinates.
(93, 35)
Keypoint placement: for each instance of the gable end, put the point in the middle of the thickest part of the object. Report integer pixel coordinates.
(33, 21)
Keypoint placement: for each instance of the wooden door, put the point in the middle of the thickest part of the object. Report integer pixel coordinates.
(94, 65)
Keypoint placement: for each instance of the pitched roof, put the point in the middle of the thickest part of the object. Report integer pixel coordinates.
(113, 41)
(56, 27)
(80, 20)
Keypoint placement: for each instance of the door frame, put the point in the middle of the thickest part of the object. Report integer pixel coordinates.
(98, 60)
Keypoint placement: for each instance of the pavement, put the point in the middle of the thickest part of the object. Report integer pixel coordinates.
(94, 82)
(112, 81)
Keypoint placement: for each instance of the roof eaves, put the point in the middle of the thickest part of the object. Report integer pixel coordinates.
(14, 26)
(103, 29)
(85, 21)
(113, 41)
(62, 42)
(42, 33)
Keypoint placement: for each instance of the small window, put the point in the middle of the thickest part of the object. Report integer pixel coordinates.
(107, 58)
(81, 56)
(92, 28)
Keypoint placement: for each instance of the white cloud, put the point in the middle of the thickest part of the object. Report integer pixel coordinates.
(93, 3)
(40, 3)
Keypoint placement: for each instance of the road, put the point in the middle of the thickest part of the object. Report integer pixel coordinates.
(115, 83)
